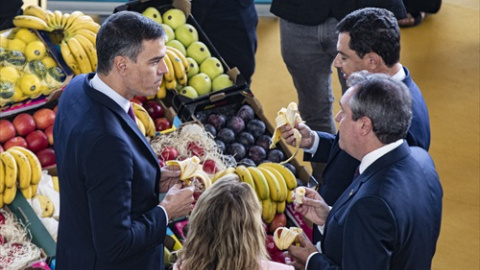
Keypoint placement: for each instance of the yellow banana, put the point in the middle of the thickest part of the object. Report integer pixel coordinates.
(169, 76)
(273, 211)
(64, 19)
(88, 34)
(171, 85)
(299, 195)
(280, 180)
(27, 21)
(55, 183)
(34, 189)
(266, 210)
(24, 169)
(51, 19)
(273, 185)
(291, 117)
(36, 11)
(141, 126)
(1, 200)
(83, 23)
(290, 196)
(89, 49)
(35, 165)
(179, 69)
(284, 237)
(261, 183)
(145, 118)
(288, 176)
(58, 18)
(11, 170)
(222, 173)
(245, 175)
(190, 168)
(162, 91)
(71, 19)
(69, 58)
(2, 177)
(80, 55)
(9, 194)
(180, 56)
(281, 207)
(27, 192)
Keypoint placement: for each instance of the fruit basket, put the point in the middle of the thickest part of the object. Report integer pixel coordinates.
(31, 70)
(217, 75)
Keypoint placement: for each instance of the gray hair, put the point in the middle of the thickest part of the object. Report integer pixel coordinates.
(122, 34)
(387, 102)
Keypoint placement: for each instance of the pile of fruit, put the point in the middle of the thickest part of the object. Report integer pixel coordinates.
(27, 70)
(75, 33)
(193, 72)
(150, 116)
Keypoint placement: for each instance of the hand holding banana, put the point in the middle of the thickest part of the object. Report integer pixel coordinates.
(287, 117)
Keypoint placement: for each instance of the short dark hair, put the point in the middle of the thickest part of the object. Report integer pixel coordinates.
(373, 30)
(123, 33)
(386, 101)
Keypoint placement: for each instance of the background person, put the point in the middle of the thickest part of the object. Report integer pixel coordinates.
(390, 216)
(225, 231)
(110, 214)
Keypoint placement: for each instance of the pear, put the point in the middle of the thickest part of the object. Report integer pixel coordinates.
(189, 92)
(198, 51)
(186, 34)
(177, 45)
(212, 67)
(174, 18)
(202, 83)
(169, 32)
(221, 82)
(194, 68)
(153, 14)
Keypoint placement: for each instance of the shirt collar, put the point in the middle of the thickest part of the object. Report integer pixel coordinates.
(400, 75)
(102, 87)
(371, 157)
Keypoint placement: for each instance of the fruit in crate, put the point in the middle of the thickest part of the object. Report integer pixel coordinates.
(189, 92)
(201, 83)
(186, 34)
(153, 14)
(198, 51)
(75, 33)
(174, 18)
(212, 67)
(222, 81)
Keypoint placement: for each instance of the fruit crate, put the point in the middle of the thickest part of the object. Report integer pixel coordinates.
(231, 102)
(7, 109)
(173, 98)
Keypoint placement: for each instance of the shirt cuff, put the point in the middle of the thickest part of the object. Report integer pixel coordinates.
(166, 215)
(311, 255)
(314, 147)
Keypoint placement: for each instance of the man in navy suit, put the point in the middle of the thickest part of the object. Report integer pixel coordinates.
(390, 215)
(110, 215)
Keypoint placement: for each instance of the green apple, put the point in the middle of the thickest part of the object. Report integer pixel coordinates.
(153, 14)
(198, 51)
(189, 92)
(177, 45)
(193, 67)
(186, 34)
(202, 83)
(212, 67)
(174, 18)
(222, 81)
(169, 32)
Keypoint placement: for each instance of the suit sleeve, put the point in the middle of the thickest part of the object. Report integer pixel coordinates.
(368, 238)
(324, 147)
(108, 183)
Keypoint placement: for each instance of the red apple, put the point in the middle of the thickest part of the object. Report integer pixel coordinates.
(154, 109)
(24, 124)
(46, 157)
(15, 141)
(209, 166)
(37, 140)
(136, 100)
(8, 130)
(162, 123)
(49, 133)
(280, 220)
(169, 153)
(44, 118)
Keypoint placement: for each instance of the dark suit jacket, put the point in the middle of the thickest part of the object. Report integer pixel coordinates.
(389, 217)
(109, 174)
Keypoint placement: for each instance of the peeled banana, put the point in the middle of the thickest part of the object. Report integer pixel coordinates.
(190, 168)
(284, 237)
(287, 116)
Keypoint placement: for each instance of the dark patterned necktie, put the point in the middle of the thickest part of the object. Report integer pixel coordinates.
(131, 114)
(357, 173)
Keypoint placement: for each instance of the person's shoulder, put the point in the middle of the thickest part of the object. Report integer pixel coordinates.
(270, 265)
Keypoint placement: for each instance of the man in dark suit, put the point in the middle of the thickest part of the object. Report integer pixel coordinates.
(110, 216)
(389, 217)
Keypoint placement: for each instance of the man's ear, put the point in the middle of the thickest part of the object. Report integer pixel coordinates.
(366, 125)
(373, 61)
(120, 64)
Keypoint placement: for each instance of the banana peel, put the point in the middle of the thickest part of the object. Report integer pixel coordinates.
(190, 168)
(287, 116)
(284, 237)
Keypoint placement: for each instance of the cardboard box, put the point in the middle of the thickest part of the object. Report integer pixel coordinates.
(173, 98)
(15, 108)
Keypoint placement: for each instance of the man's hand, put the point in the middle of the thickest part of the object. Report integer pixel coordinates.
(178, 201)
(170, 176)
(307, 137)
(299, 255)
(314, 208)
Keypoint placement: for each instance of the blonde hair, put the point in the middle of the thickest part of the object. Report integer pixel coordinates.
(225, 229)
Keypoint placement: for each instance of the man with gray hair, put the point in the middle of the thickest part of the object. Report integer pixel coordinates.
(389, 217)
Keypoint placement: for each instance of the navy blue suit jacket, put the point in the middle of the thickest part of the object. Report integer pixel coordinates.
(109, 218)
(389, 217)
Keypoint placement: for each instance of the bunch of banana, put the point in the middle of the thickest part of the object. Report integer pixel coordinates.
(177, 66)
(144, 121)
(19, 167)
(287, 116)
(77, 34)
(191, 168)
(284, 237)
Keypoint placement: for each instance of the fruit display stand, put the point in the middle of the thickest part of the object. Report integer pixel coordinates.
(38, 98)
(173, 97)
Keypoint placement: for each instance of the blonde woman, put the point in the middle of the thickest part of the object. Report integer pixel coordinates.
(225, 231)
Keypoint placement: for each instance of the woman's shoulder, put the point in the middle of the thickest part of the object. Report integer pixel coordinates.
(270, 265)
